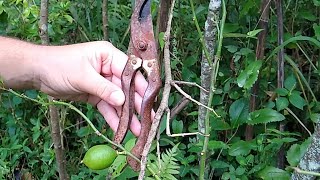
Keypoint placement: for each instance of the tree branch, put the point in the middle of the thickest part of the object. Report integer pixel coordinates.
(56, 134)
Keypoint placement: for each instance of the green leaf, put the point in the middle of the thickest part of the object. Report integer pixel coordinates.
(1, 7)
(219, 164)
(190, 61)
(161, 40)
(219, 125)
(229, 27)
(296, 152)
(212, 145)
(232, 48)
(316, 2)
(84, 131)
(290, 83)
(239, 112)
(308, 15)
(254, 32)
(271, 173)
(248, 77)
(315, 117)
(177, 126)
(16, 100)
(31, 94)
(240, 148)
(265, 115)
(129, 145)
(118, 165)
(240, 171)
(27, 149)
(282, 103)
(316, 29)
(282, 91)
(68, 18)
(296, 100)
(36, 135)
(245, 51)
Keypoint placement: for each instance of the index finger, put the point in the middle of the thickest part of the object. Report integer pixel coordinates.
(116, 61)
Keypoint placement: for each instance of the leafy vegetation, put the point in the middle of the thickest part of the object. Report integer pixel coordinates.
(26, 146)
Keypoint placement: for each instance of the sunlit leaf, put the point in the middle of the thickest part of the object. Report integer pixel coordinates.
(296, 152)
(254, 32)
(265, 116)
(248, 77)
(271, 173)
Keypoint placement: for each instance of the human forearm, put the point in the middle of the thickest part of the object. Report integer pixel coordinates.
(17, 63)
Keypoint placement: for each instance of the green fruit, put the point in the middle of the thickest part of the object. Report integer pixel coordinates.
(99, 157)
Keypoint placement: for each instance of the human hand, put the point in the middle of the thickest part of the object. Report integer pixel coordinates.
(89, 72)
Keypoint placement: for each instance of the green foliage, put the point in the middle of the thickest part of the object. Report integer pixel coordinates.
(265, 115)
(167, 167)
(296, 152)
(249, 76)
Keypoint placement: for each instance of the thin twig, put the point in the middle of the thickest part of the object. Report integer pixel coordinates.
(300, 122)
(179, 106)
(300, 171)
(191, 99)
(72, 107)
(209, 59)
(191, 84)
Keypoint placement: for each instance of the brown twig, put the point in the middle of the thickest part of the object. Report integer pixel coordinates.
(191, 99)
(191, 84)
(178, 108)
(263, 24)
(56, 134)
(165, 98)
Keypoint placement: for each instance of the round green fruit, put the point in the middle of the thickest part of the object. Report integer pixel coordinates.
(99, 157)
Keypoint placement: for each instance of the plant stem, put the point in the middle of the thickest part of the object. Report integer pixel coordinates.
(200, 34)
(214, 72)
(54, 102)
(300, 171)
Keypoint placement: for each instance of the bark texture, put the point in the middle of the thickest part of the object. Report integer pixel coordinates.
(209, 39)
(311, 159)
(162, 21)
(263, 24)
(57, 138)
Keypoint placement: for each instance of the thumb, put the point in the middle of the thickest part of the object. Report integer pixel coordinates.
(97, 85)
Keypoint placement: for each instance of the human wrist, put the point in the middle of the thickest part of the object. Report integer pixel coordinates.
(17, 64)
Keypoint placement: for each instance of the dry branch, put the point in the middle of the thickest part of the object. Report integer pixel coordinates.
(263, 24)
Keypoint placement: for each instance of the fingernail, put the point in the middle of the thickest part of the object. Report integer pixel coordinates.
(117, 98)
